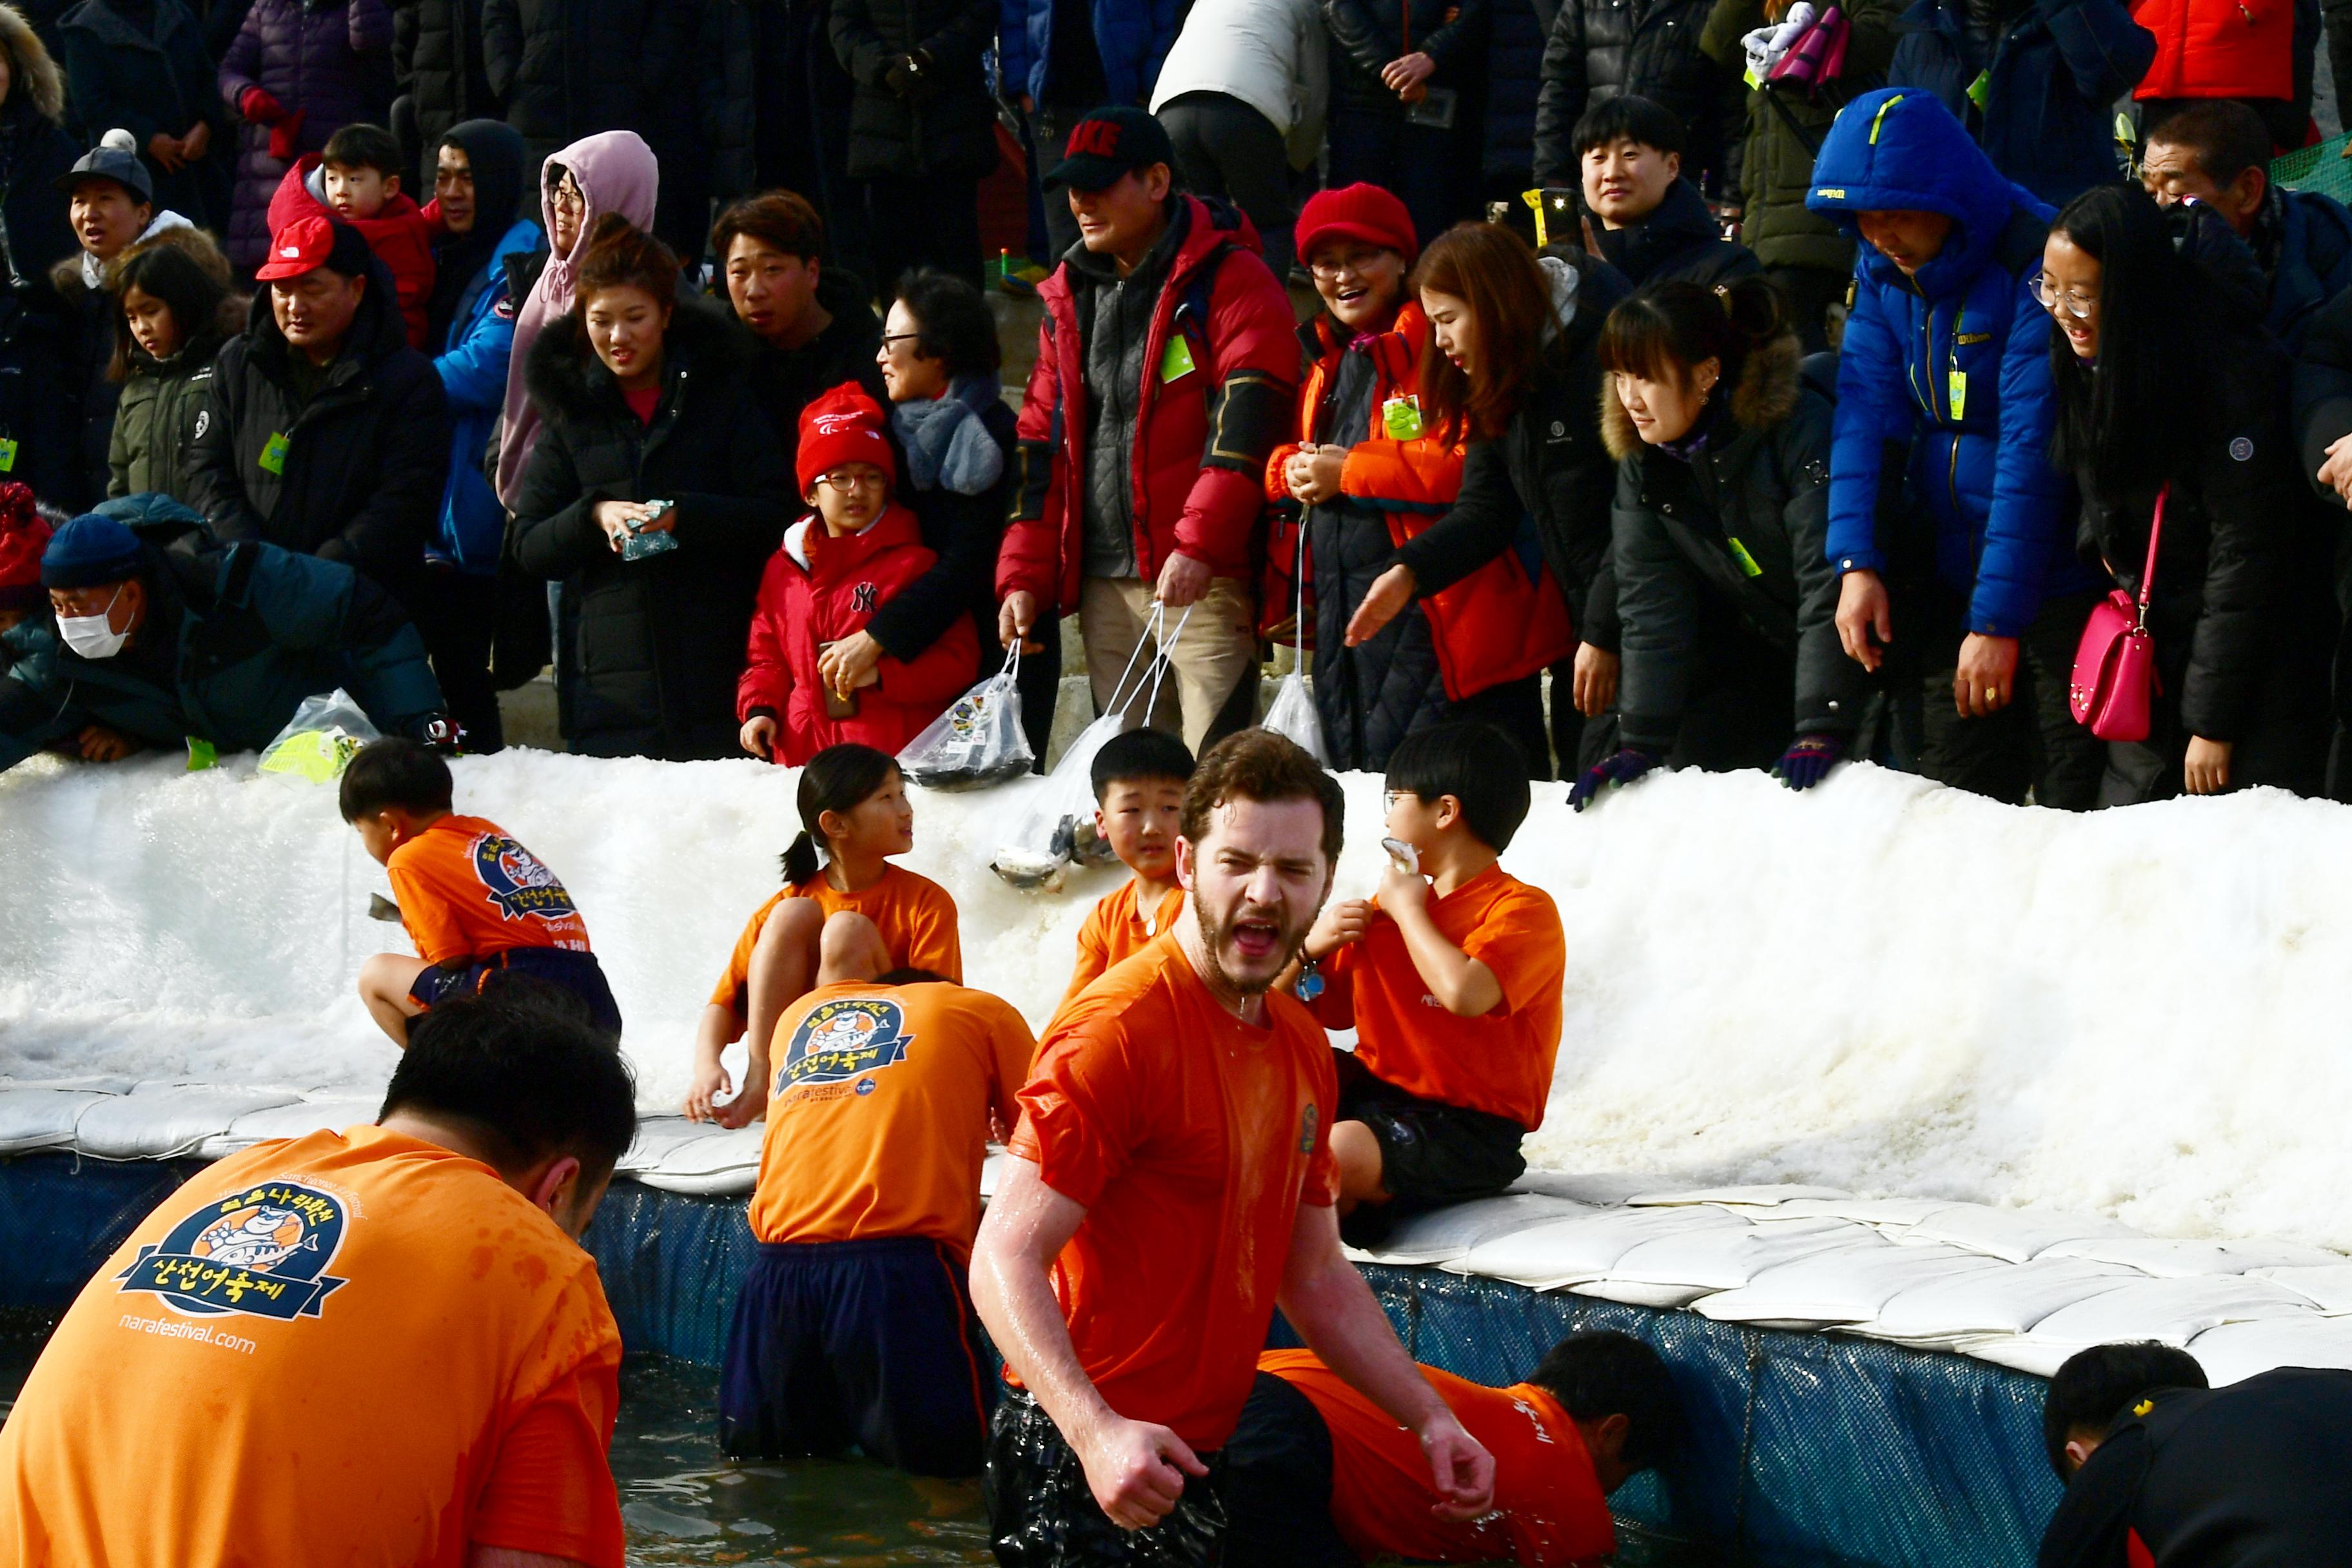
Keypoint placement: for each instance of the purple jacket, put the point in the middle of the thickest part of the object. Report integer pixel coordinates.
(330, 61)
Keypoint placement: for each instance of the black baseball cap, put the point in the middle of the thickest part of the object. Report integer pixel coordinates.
(1108, 143)
(108, 161)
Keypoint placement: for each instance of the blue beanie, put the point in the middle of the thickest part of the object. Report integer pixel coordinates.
(88, 551)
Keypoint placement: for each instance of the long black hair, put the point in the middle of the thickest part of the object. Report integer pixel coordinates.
(193, 294)
(839, 778)
(1660, 333)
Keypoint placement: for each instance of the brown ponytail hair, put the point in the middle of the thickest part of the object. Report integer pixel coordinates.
(1662, 331)
(1490, 269)
(622, 255)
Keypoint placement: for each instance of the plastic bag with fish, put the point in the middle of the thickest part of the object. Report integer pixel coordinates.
(978, 740)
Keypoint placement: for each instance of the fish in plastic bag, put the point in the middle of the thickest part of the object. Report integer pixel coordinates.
(319, 741)
(978, 742)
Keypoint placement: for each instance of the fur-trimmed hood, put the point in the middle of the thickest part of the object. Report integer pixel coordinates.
(30, 69)
(567, 381)
(1767, 394)
(71, 281)
(200, 346)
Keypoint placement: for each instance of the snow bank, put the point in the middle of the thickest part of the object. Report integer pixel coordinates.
(1883, 987)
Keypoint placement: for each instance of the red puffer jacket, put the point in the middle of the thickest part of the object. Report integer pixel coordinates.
(1195, 490)
(819, 589)
(1502, 622)
(2219, 48)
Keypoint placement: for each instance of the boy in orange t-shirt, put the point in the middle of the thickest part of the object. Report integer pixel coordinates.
(474, 901)
(1320, 1476)
(1139, 779)
(1452, 982)
(378, 1348)
(854, 1324)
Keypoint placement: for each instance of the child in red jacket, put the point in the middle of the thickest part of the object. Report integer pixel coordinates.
(838, 565)
(356, 180)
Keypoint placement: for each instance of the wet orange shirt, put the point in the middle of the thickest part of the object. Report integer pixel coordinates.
(915, 915)
(1549, 1509)
(877, 1117)
(1499, 1062)
(355, 1348)
(466, 890)
(1191, 1139)
(1115, 931)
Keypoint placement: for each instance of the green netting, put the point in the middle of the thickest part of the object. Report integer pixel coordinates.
(2325, 168)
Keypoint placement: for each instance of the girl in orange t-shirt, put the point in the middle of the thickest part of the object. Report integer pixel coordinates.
(853, 800)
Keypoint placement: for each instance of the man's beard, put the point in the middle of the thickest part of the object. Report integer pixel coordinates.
(1213, 935)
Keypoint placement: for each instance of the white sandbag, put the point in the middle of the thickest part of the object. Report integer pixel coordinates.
(1584, 1247)
(1727, 1259)
(2016, 1351)
(1634, 1294)
(166, 1120)
(1848, 1285)
(2018, 1235)
(2235, 1352)
(2328, 1287)
(1443, 1235)
(34, 1118)
(299, 1120)
(87, 1083)
(2008, 1299)
(2182, 1259)
(720, 1162)
(658, 1137)
(2169, 1312)
(1764, 1197)
(1602, 1189)
(1891, 1215)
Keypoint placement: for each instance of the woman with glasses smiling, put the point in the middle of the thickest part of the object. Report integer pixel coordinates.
(2167, 387)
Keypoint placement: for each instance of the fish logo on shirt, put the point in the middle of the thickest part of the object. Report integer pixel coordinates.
(842, 1038)
(519, 883)
(262, 1252)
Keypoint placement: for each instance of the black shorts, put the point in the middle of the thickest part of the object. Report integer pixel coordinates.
(1431, 1153)
(1042, 1514)
(867, 1343)
(577, 972)
(1279, 1484)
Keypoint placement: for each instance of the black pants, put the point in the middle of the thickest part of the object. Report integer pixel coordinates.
(1049, 132)
(1226, 148)
(457, 614)
(929, 220)
(1279, 1484)
(1041, 1513)
(2282, 743)
(1040, 681)
(1515, 708)
(2032, 744)
(1809, 292)
(1742, 707)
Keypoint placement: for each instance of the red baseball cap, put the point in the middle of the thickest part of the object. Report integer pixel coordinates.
(309, 243)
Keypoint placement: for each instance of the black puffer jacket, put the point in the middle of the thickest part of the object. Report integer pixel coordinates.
(1367, 34)
(1680, 240)
(1600, 48)
(648, 650)
(964, 531)
(1736, 533)
(1516, 31)
(785, 380)
(1548, 463)
(569, 69)
(436, 51)
(944, 122)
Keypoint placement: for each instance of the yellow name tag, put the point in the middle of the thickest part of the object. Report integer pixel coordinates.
(7, 455)
(273, 453)
(1956, 393)
(1177, 362)
(1740, 553)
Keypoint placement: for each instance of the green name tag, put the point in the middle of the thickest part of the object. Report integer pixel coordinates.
(1746, 562)
(273, 453)
(7, 455)
(1956, 393)
(1400, 416)
(1177, 362)
(202, 755)
(1980, 89)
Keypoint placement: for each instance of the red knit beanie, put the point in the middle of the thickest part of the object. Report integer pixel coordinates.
(23, 537)
(1359, 211)
(843, 426)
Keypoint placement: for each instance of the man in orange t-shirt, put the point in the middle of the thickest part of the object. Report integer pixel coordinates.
(1171, 1183)
(854, 1323)
(382, 1346)
(1318, 1476)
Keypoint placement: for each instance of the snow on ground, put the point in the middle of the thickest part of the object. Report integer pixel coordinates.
(1883, 985)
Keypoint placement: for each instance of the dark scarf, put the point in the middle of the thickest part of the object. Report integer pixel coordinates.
(496, 152)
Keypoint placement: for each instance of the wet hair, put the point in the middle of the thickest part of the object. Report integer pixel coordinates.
(952, 323)
(395, 773)
(193, 295)
(1469, 760)
(781, 220)
(1139, 755)
(1660, 333)
(913, 977)
(2096, 1385)
(1260, 766)
(622, 255)
(1599, 1375)
(522, 1067)
(1490, 269)
(363, 147)
(1637, 118)
(2226, 137)
(839, 778)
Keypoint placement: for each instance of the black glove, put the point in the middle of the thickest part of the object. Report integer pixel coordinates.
(1808, 762)
(1618, 768)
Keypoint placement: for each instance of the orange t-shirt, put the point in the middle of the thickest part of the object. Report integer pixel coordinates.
(877, 1119)
(1191, 1139)
(1115, 931)
(466, 890)
(915, 915)
(1549, 1509)
(354, 1348)
(1499, 1062)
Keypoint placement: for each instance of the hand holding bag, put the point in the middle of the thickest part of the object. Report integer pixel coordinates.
(2114, 664)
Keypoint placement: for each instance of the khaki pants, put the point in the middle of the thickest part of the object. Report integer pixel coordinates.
(1218, 648)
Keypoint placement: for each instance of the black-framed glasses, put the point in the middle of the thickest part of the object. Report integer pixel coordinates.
(889, 337)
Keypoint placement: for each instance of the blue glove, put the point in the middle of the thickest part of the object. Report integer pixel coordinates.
(1618, 768)
(1808, 762)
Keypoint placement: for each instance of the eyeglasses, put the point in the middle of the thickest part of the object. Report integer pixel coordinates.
(569, 199)
(2073, 301)
(889, 337)
(1356, 261)
(848, 480)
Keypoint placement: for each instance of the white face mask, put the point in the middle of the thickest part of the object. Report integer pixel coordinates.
(93, 637)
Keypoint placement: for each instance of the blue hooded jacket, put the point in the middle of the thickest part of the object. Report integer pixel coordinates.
(2314, 262)
(1132, 37)
(474, 374)
(1953, 363)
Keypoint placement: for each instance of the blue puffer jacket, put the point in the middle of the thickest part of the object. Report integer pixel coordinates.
(2052, 81)
(2314, 262)
(474, 374)
(1132, 35)
(1954, 362)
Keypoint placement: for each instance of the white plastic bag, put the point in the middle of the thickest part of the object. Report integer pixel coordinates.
(1059, 826)
(1293, 714)
(978, 740)
(321, 739)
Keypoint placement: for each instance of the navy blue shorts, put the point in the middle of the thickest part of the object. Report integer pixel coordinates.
(867, 1343)
(577, 972)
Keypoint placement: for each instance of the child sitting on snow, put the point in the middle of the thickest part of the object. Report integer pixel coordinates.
(1139, 779)
(476, 902)
(853, 801)
(1450, 979)
(801, 689)
(356, 180)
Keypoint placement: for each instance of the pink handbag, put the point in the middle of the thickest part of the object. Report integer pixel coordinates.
(1817, 59)
(2114, 664)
